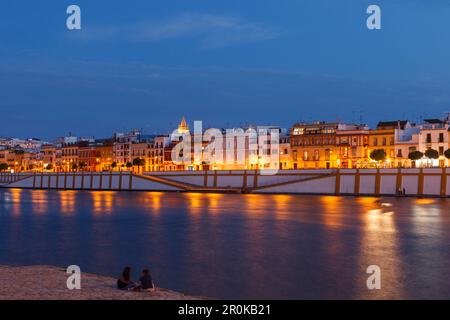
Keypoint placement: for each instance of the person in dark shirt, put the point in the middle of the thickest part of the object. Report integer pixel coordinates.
(146, 280)
(124, 282)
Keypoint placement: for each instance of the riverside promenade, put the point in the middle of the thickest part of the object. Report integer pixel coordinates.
(42, 282)
(415, 182)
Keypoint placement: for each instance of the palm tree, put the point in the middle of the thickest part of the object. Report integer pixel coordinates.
(129, 165)
(113, 165)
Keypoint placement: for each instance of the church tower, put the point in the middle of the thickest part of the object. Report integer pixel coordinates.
(183, 127)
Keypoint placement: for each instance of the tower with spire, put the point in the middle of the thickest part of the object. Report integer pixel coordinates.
(183, 127)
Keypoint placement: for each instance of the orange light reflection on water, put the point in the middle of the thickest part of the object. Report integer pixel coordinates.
(102, 201)
(67, 201)
(40, 201)
(195, 203)
(379, 238)
(16, 197)
(154, 201)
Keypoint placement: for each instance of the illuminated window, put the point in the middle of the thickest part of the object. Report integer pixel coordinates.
(316, 155)
(298, 131)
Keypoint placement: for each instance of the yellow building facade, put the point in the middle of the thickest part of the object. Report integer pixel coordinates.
(313, 145)
(383, 138)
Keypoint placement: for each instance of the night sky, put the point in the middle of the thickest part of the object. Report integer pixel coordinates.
(144, 64)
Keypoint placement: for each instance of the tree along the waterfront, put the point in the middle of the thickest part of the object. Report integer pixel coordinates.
(415, 155)
(138, 162)
(378, 155)
(447, 153)
(432, 154)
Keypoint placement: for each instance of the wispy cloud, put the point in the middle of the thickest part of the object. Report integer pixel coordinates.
(208, 31)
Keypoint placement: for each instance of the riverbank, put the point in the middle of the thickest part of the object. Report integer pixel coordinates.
(414, 182)
(42, 282)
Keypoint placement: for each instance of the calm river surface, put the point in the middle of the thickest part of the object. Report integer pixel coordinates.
(237, 246)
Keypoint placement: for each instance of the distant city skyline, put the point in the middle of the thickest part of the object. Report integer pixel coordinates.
(144, 65)
(424, 119)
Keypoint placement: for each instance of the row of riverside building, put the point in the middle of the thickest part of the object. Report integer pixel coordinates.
(305, 146)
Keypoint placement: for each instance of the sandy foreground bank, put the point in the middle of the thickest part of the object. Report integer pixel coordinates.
(49, 283)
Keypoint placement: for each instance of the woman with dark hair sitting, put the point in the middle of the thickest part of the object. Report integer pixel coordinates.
(125, 283)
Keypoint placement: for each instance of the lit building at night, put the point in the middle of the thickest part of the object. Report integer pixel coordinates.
(383, 138)
(313, 145)
(352, 142)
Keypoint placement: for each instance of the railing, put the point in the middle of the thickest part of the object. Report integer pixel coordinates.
(7, 178)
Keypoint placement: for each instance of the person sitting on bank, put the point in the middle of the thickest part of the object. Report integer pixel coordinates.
(146, 281)
(125, 283)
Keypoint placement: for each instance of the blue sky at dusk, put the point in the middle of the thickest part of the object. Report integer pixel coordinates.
(144, 64)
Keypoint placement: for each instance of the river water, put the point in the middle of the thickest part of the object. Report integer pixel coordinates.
(237, 246)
